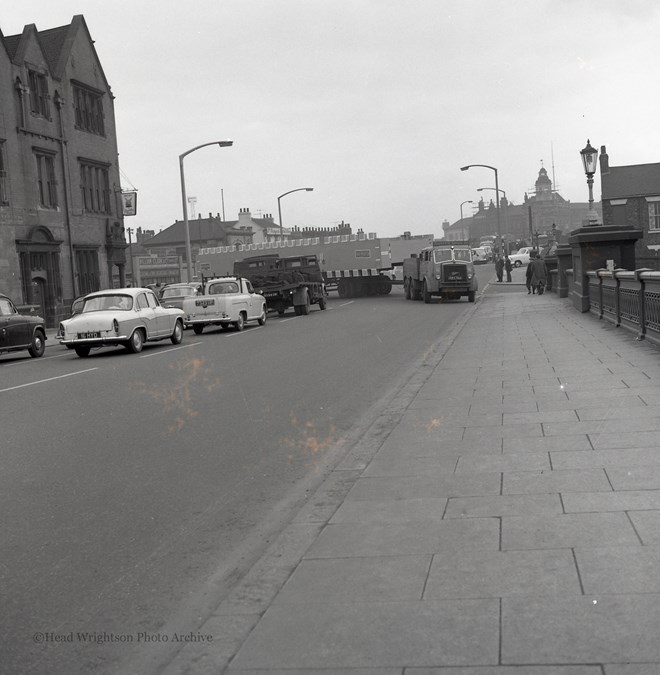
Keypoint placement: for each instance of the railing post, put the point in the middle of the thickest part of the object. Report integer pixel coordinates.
(642, 303)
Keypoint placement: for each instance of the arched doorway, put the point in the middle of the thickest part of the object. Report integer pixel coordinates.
(39, 257)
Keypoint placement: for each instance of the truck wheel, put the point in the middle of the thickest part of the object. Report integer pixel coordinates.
(471, 296)
(240, 324)
(304, 309)
(406, 289)
(198, 328)
(262, 319)
(322, 303)
(425, 294)
(280, 312)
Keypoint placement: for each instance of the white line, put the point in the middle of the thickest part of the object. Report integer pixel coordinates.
(50, 379)
(39, 360)
(291, 318)
(239, 332)
(171, 349)
(350, 302)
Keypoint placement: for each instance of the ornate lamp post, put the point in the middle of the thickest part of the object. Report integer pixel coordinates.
(497, 206)
(589, 161)
(279, 208)
(184, 201)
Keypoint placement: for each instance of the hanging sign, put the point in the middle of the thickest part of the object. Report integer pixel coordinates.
(129, 202)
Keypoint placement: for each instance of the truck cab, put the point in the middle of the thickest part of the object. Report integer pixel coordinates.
(445, 270)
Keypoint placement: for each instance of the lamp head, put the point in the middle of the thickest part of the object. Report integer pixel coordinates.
(225, 144)
(465, 168)
(309, 189)
(589, 157)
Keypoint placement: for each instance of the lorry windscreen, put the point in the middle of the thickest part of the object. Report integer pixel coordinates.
(441, 254)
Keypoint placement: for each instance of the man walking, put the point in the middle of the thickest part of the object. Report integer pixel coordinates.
(508, 267)
(539, 276)
(499, 268)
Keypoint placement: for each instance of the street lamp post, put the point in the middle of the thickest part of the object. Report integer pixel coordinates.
(279, 207)
(184, 201)
(497, 206)
(506, 213)
(467, 201)
(589, 159)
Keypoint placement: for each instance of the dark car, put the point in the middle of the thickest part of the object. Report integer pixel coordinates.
(19, 331)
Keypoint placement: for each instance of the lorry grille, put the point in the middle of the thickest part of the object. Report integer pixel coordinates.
(454, 274)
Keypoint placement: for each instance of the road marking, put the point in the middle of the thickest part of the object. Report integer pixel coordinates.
(50, 379)
(171, 349)
(239, 332)
(42, 358)
(350, 302)
(291, 318)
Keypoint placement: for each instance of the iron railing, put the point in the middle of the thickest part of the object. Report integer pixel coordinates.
(628, 299)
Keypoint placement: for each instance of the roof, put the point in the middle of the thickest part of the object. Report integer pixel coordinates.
(201, 229)
(630, 181)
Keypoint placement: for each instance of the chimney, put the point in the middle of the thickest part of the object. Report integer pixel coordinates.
(604, 161)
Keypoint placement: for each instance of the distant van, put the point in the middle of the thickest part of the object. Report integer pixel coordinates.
(481, 255)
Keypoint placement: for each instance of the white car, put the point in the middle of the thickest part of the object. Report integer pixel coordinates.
(120, 316)
(521, 257)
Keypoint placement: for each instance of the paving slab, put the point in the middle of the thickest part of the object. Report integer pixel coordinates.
(619, 569)
(625, 457)
(377, 635)
(567, 531)
(414, 537)
(582, 480)
(634, 477)
(494, 574)
(527, 461)
(582, 629)
(504, 505)
(578, 442)
(647, 525)
(621, 500)
(390, 510)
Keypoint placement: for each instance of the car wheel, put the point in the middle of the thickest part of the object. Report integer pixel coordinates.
(240, 324)
(136, 342)
(177, 335)
(82, 351)
(198, 328)
(517, 263)
(38, 346)
(262, 318)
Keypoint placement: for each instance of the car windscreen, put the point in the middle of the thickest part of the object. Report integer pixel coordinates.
(223, 287)
(99, 303)
(177, 292)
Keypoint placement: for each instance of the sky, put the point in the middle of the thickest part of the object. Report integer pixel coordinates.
(376, 104)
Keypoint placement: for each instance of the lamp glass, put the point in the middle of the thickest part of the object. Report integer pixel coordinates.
(589, 158)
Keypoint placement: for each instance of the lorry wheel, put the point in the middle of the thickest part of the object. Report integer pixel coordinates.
(471, 296)
(304, 309)
(322, 303)
(240, 323)
(280, 312)
(198, 328)
(426, 295)
(406, 289)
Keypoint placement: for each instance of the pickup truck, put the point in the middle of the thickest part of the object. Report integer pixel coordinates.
(226, 301)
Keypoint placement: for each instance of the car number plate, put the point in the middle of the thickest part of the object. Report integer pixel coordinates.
(89, 334)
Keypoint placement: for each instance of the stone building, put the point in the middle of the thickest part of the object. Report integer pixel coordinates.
(631, 197)
(61, 222)
(542, 210)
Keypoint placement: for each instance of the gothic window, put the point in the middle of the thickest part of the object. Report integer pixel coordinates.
(95, 187)
(88, 105)
(46, 181)
(39, 98)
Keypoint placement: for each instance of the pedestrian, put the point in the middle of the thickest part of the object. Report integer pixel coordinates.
(539, 276)
(508, 267)
(528, 278)
(499, 268)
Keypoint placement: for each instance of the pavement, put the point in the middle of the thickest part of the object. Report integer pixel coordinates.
(499, 513)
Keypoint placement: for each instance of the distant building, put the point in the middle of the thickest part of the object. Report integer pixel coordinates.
(541, 212)
(170, 243)
(61, 220)
(631, 196)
